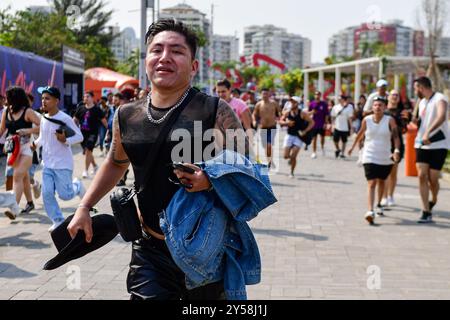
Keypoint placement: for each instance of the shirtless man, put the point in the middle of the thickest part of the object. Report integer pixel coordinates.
(265, 116)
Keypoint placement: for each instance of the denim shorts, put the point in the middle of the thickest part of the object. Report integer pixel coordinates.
(154, 275)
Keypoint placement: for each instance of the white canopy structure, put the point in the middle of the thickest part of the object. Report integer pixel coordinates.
(395, 66)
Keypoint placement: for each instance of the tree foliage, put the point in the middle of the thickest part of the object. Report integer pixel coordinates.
(292, 81)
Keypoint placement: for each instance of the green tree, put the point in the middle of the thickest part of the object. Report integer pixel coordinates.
(268, 81)
(90, 16)
(130, 66)
(292, 81)
(44, 34)
(254, 74)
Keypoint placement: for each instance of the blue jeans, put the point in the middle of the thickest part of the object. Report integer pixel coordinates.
(102, 136)
(59, 181)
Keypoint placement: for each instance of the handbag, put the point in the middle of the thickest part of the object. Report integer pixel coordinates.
(122, 200)
(68, 131)
(12, 147)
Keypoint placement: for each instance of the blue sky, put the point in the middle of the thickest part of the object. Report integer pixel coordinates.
(317, 19)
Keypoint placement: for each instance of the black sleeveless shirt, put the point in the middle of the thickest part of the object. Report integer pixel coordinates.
(293, 131)
(139, 136)
(14, 125)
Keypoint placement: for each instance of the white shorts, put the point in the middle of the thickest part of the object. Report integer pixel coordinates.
(293, 141)
(25, 150)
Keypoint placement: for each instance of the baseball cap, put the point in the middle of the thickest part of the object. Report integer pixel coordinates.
(54, 92)
(381, 99)
(382, 83)
(296, 99)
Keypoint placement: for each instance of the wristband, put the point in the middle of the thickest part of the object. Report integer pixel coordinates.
(397, 151)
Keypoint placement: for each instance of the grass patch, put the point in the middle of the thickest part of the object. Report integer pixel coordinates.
(447, 164)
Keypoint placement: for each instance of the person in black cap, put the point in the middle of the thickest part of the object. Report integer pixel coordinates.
(171, 65)
(57, 156)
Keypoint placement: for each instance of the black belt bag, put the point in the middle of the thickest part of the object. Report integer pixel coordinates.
(122, 200)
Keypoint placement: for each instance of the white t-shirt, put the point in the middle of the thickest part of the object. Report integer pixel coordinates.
(342, 118)
(428, 113)
(57, 155)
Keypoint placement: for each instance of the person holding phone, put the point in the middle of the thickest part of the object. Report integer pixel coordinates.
(432, 143)
(171, 65)
(57, 157)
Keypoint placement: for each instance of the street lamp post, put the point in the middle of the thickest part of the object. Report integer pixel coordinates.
(142, 55)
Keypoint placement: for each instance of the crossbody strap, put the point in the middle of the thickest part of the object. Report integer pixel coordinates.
(55, 121)
(155, 151)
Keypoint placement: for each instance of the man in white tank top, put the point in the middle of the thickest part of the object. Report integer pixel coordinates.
(379, 130)
(432, 143)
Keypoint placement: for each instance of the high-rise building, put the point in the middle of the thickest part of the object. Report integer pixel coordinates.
(124, 44)
(224, 49)
(194, 18)
(443, 49)
(292, 50)
(356, 41)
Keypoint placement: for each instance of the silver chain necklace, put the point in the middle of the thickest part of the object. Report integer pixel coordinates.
(149, 104)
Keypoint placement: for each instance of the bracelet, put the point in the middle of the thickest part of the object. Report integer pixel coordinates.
(397, 151)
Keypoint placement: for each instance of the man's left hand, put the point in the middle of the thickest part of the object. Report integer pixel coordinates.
(199, 181)
(61, 137)
(426, 140)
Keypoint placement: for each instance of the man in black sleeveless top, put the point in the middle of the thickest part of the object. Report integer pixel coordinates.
(171, 66)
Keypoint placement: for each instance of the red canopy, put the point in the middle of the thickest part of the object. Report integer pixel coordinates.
(121, 81)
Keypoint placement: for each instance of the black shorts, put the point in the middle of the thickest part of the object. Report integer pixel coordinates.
(377, 172)
(318, 132)
(340, 135)
(89, 140)
(434, 158)
(154, 275)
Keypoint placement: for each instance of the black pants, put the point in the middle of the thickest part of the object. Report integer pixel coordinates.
(154, 275)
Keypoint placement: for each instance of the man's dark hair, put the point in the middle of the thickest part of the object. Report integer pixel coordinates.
(224, 83)
(265, 89)
(236, 90)
(17, 98)
(424, 82)
(118, 95)
(175, 26)
(90, 93)
(104, 99)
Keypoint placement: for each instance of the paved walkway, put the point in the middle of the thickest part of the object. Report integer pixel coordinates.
(314, 244)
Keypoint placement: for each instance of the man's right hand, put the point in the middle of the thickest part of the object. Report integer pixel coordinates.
(81, 221)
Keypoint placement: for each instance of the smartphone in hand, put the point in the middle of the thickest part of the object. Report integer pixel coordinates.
(182, 167)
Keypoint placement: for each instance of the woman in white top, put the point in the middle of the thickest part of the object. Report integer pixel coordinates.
(378, 130)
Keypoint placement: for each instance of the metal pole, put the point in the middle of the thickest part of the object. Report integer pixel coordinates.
(143, 49)
(211, 56)
(357, 82)
(338, 86)
(306, 88)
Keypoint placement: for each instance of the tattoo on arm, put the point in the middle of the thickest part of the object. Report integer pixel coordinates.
(227, 120)
(115, 154)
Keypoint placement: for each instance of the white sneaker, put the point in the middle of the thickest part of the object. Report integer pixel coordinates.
(292, 176)
(379, 211)
(8, 200)
(390, 202)
(94, 171)
(55, 226)
(314, 156)
(384, 202)
(81, 188)
(37, 189)
(85, 174)
(370, 217)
